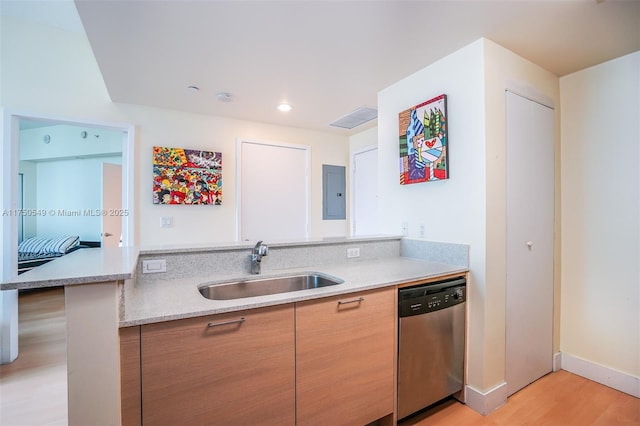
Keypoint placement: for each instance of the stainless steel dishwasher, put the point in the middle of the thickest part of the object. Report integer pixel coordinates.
(430, 343)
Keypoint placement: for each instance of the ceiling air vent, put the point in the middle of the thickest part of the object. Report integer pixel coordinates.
(356, 118)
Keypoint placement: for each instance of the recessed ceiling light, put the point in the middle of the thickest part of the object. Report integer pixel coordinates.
(284, 107)
(223, 97)
(193, 88)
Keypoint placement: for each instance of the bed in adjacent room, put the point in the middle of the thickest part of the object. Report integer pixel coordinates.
(37, 251)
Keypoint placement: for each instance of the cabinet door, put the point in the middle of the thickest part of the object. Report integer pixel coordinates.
(130, 376)
(345, 358)
(228, 369)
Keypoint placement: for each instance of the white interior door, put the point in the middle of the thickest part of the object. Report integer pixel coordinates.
(365, 193)
(111, 204)
(274, 191)
(530, 192)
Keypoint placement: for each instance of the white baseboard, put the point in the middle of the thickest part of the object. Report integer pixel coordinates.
(557, 361)
(599, 373)
(486, 402)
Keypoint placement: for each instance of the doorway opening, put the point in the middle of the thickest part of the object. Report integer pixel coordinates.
(12, 199)
(60, 148)
(65, 194)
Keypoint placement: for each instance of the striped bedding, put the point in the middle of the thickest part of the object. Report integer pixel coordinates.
(43, 248)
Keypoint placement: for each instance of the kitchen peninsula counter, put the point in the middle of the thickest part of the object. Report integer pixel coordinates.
(148, 298)
(91, 265)
(106, 292)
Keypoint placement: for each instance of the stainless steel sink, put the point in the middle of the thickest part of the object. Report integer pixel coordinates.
(251, 287)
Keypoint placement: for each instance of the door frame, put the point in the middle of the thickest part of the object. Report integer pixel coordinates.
(10, 130)
(305, 148)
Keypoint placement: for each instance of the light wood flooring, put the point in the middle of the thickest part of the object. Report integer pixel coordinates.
(557, 399)
(33, 389)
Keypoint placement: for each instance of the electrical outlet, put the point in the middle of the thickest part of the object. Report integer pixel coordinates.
(353, 252)
(404, 228)
(154, 266)
(422, 230)
(166, 221)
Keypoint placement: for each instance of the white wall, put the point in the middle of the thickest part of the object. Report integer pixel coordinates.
(66, 188)
(442, 206)
(364, 139)
(452, 210)
(198, 223)
(506, 70)
(58, 77)
(601, 214)
(67, 142)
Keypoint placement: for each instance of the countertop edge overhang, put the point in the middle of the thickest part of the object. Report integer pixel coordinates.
(86, 266)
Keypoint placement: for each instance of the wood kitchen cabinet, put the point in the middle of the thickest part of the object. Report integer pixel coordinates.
(327, 361)
(131, 414)
(235, 368)
(345, 352)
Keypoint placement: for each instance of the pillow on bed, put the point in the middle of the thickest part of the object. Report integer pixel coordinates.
(53, 246)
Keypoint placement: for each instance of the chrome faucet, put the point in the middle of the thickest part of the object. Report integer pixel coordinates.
(256, 256)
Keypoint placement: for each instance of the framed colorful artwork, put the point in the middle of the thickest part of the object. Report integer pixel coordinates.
(186, 176)
(424, 142)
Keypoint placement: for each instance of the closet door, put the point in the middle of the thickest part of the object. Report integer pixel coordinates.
(530, 194)
(365, 193)
(274, 191)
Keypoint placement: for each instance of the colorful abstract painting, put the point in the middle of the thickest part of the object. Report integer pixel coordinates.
(186, 176)
(423, 142)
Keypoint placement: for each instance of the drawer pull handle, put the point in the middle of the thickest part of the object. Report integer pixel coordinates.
(358, 300)
(216, 324)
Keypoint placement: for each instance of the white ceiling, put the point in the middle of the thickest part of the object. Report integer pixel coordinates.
(327, 58)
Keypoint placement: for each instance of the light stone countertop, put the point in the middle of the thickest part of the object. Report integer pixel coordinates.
(155, 300)
(94, 265)
(144, 303)
(84, 266)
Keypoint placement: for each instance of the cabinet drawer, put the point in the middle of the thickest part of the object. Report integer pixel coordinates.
(235, 368)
